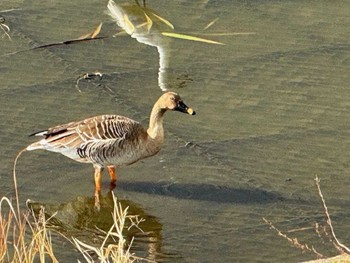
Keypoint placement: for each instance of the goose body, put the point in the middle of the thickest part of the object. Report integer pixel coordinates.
(101, 140)
(110, 140)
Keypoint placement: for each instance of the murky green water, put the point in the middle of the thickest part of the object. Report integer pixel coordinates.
(273, 111)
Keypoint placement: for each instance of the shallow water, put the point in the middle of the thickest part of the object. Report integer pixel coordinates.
(272, 111)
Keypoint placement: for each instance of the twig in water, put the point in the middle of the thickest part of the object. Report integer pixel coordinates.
(294, 241)
(5, 28)
(136, 222)
(88, 77)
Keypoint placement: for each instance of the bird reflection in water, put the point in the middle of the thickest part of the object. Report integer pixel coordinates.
(80, 220)
(146, 26)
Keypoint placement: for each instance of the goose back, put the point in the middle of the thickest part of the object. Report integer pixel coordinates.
(101, 140)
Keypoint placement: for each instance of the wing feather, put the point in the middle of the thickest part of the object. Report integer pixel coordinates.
(90, 140)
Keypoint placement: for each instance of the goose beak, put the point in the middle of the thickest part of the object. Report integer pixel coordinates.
(182, 107)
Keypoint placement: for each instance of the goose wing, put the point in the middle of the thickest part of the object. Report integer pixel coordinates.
(97, 129)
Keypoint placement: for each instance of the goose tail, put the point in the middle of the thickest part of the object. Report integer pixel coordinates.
(35, 146)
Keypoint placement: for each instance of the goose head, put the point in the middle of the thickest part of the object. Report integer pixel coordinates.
(172, 101)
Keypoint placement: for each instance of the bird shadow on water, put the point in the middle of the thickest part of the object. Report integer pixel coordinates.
(203, 192)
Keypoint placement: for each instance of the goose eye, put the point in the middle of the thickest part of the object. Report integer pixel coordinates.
(172, 98)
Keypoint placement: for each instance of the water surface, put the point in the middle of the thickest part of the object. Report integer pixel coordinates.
(273, 112)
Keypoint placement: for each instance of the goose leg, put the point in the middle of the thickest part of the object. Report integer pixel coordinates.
(113, 175)
(98, 179)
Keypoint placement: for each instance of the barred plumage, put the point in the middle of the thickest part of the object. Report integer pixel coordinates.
(110, 140)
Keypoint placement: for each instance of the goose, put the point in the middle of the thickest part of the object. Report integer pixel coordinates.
(110, 141)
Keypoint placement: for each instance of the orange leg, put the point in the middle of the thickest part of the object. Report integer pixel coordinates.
(113, 175)
(98, 179)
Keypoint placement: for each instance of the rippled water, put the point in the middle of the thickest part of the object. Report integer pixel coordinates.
(272, 112)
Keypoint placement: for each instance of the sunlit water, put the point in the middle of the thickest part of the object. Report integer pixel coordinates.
(272, 112)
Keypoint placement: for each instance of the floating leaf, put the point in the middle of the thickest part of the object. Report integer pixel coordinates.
(192, 38)
(211, 23)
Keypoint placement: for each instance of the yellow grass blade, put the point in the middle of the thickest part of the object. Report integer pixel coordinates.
(130, 26)
(192, 38)
(229, 34)
(96, 31)
(149, 22)
(164, 21)
(92, 34)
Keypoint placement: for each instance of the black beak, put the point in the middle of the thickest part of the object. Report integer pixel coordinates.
(183, 108)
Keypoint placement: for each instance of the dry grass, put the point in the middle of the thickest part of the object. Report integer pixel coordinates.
(23, 240)
(115, 252)
(343, 250)
(25, 237)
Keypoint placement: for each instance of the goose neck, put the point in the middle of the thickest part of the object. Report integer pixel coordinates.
(155, 129)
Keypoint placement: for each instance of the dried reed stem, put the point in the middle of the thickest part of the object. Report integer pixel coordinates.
(111, 252)
(341, 247)
(37, 246)
(294, 241)
(332, 237)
